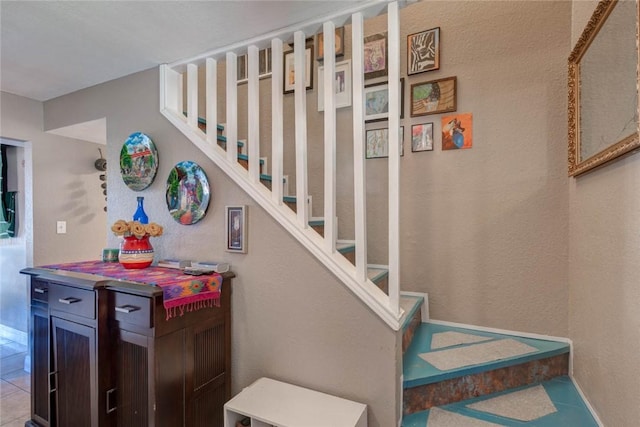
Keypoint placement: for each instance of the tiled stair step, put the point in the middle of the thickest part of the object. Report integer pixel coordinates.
(412, 305)
(379, 276)
(202, 124)
(426, 386)
(552, 403)
(348, 250)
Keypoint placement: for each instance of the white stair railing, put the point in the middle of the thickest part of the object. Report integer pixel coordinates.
(172, 106)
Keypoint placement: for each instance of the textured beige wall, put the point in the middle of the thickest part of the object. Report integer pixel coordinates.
(484, 231)
(65, 186)
(291, 319)
(604, 298)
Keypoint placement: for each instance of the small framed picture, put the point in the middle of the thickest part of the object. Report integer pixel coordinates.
(433, 97)
(264, 63)
(401, 141)
(343, 85)
(339, 44)
(457, 132)
(243, 69)
(290, 72)
(423, 51)
(376, 63)
(235, 221)
(377, 143)
(422, 137)
(376, 101)
(264, 66)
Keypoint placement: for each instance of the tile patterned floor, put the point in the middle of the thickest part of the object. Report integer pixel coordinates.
(15, 385)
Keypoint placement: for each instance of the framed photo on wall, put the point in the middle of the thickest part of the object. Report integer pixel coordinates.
(376, 62)
(339, 44)
(423, 51)
(433, 97)
(290, 72)
(376, 101)
(377, 143)
(343, 85)
(422, 137)
(235, 221)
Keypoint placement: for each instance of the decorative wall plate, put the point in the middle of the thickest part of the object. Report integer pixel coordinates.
(138, 161)
(187, 192)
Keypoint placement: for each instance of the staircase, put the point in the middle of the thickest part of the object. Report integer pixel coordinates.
(455, 376)
(452, 375)
(242, 160)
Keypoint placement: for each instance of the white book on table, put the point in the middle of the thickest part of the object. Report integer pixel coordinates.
(218, 267)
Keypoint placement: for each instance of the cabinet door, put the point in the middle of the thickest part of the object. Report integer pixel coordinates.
(75, 374)
(206, 376)
(132, 387)
(40, 366)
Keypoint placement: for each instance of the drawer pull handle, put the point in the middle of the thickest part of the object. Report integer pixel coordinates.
(127, 308)
(69, 300)
(110, 408)
(53, 386)
(40, 290)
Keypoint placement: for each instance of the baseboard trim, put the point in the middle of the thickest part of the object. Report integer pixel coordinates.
(14, 335)
(586, 401)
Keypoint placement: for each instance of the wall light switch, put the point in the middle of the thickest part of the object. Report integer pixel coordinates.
(61, 227)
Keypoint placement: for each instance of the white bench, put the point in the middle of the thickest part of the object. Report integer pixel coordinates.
(270, 403)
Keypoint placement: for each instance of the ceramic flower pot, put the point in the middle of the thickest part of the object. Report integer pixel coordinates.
(135, 253)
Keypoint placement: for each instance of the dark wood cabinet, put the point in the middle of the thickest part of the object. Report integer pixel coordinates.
(105, 354)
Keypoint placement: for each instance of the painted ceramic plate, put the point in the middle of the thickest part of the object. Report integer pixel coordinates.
(187, 193)
(138, 161)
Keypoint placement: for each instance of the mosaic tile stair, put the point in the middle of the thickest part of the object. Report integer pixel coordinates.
(552, 403)
(445, 364)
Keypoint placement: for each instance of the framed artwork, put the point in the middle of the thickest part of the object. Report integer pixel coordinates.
(376, 101)
(377, 143)
(401, 141)
(242, 69)
(264, 66)
(339, 44)
(422, 137)
(423, 51)
(264, 63)
(433, 97)
(290, 72)
(235, 222)
(376, 63)
(343, 85)
(457, 131)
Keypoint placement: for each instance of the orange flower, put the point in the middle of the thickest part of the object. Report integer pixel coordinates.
(120, 227)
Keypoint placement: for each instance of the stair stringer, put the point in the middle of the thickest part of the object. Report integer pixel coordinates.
(365, 290)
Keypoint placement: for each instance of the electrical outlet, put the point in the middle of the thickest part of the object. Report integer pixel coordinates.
(61, 227)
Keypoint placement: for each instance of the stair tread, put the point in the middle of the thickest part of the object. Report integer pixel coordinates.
(246, 157)
(418, 372)
(343, 247)
(410, 304)
(570, 409)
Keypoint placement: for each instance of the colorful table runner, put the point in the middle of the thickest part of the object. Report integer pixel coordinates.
(180, 291)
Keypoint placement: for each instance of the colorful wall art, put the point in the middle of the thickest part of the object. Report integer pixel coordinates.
(457, 131)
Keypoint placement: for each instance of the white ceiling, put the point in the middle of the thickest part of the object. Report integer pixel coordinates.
(51, 48)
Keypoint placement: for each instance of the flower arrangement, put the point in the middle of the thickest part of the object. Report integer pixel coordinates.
(135, 228)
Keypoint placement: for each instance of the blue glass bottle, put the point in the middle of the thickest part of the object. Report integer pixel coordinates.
(140, 214)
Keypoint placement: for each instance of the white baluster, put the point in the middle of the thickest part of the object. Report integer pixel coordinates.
(277, 121)
(301, 129)
(329, 137)
(253, 112)
(232, 107)
(212, 100)
(192, 95)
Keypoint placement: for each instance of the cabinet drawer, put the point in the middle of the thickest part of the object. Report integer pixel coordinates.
(39, 291)
(76, 301)
(131, 309)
